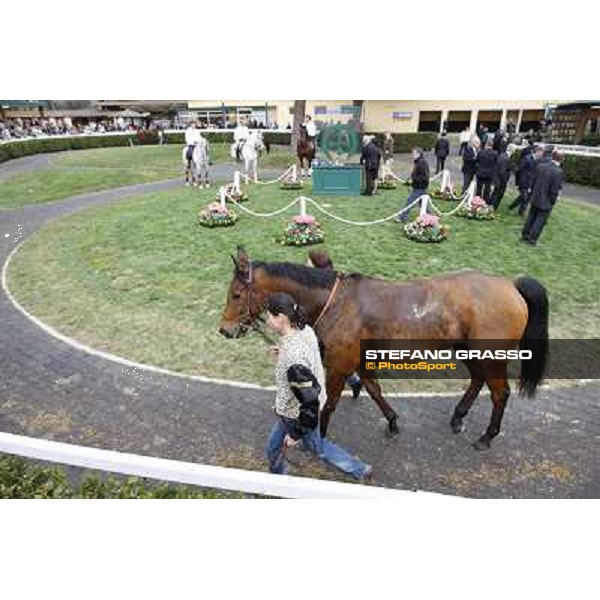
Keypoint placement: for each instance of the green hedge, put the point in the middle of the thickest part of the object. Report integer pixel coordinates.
(405, 142)
(591, 140)
(20, 478)
(27, 147)
(584, 170)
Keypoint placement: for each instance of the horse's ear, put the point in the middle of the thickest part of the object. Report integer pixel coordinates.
(243, 261)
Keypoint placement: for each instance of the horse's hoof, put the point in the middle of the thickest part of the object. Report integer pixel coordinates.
(482, 443)
(457, 425)
(393, 428)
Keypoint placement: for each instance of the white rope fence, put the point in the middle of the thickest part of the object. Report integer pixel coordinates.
(251, 482)
(251, 180)
(387, 171)
(302, 200)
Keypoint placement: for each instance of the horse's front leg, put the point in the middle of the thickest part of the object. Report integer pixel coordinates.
(335, 386)
(374, 389)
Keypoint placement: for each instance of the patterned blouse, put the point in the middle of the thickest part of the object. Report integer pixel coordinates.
(298, 348)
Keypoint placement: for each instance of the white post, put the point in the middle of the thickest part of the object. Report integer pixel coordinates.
(295, 173)
(470, 193)
(424, 203)
(236, 182)
(302, 207)
(445, 179)
(222, 195)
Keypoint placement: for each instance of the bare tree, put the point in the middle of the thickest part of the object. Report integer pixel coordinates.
(299, 114)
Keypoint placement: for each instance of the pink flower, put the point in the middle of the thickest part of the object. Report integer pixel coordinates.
(306, 219)
(428, 220)
(216, 207)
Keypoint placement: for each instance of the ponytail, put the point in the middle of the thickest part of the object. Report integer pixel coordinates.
(282, 303)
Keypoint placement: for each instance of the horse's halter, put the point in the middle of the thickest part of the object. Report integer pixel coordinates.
(248, 322)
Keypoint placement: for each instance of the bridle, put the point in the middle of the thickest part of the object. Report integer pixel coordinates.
(250, 323)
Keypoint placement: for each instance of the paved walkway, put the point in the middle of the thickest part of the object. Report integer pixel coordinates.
(549, 446)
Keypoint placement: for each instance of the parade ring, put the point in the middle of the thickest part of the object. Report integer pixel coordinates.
(58, 391)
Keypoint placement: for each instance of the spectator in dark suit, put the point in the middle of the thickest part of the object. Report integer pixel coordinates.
(501, 175)
(371, 158)
(469, 166)
(498, 140)
(441, 151)
(545, 187)
(486, 167)
(419, 178)
(524, 177)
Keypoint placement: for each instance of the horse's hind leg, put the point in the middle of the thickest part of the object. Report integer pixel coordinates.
(335, 386)
(500, 392)
(374, 389)
(463, 407)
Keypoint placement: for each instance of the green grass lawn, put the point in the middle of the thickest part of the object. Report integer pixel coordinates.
(142, 280)
(84, 171)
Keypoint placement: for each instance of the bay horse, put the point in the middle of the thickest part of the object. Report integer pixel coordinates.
(305, 150)
(345, 308)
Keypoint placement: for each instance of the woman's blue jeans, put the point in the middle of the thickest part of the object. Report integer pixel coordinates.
(323, 448)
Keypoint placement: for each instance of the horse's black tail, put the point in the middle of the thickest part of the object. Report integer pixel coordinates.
(535, 336)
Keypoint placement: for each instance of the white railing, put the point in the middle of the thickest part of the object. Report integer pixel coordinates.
(252, 482)
(566, 149)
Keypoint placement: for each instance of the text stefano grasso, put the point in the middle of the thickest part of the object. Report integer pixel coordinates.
(372, 354)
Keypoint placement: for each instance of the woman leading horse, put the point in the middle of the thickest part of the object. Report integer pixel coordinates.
(345, 308)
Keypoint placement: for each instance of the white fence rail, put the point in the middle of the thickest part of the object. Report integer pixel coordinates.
(252, 482)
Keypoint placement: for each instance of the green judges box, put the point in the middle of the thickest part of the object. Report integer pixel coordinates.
(337, 180)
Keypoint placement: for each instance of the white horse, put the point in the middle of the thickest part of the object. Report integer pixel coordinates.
(196, 163)
(250, 152)
(201, 162)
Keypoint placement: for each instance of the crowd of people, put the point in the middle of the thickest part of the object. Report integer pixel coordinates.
(17, 129)
(485, 160)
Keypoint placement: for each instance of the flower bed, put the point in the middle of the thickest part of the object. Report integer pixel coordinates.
(215, 215)
(427, 229)
(387, 183)
(289, 183)
(230, 191)
(447, 194)
(479, 209)
(302, 231)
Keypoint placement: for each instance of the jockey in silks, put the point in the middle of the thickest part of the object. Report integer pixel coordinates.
(311, 130)
(192, 136)
(240, 136)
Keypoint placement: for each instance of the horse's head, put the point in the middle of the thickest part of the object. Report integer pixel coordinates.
(244, 301)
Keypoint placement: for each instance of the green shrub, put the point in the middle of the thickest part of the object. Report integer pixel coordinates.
(405, 142)
(21, 478)
(591, 140)
(584, 170)
(17, 149)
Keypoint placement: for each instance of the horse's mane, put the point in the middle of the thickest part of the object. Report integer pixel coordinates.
(308, 276)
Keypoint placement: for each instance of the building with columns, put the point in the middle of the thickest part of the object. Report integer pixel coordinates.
(404, 116)
(397, 116)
